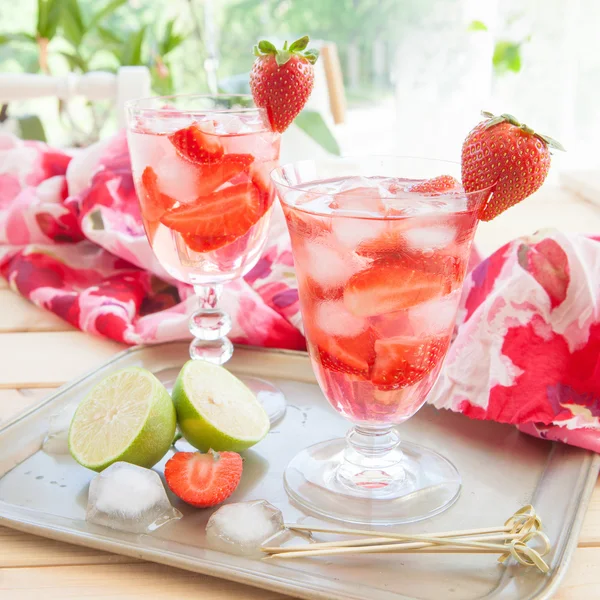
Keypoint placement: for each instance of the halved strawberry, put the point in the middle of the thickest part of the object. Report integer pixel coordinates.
(153, 203)
(203, 480)
(437, 185)
(390, 242)
(391, 284)
(228, 212)
(214, 175)
(403, 361)
(315, 290)
(260, 175)
(197, 146)
(352, 354)
(199, 243)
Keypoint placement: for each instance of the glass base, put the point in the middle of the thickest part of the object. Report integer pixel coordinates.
(332, 480)
(269, 395)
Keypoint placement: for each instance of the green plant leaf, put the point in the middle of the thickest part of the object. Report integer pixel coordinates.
(49, 12)
(477, 26)
(313, 124)
(170, 40)
(131, 54)
(21, 36)
(266, 47)
(507, 56)
(31, 128)
(105, 11)
(73, 25)
(108, 36)
(76, 62)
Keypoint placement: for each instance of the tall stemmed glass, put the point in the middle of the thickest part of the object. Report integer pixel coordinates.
(201, 168)
(380, 257)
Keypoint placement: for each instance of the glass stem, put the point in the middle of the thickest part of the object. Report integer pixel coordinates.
(372, 458)
(210, 325)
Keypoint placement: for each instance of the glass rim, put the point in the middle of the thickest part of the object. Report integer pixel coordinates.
(300, 188)
(136, 108)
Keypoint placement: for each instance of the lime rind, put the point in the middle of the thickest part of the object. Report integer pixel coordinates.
(214, 408)
(96, 445)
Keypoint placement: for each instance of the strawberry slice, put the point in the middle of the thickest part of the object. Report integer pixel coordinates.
(389, 285)
(153, 203)
(228, 212)
(353, 355)
(214, 175)
(197, 146)
(203, 480)
(435, 186)
(403, 361)
(198, 243)
(260, 175)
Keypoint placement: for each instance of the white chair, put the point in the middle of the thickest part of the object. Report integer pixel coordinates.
(128, 83)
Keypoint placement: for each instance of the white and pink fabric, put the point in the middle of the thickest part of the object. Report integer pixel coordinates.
(527, 346)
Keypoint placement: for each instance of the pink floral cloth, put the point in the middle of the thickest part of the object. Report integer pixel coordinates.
(527, 347)
(73, 243)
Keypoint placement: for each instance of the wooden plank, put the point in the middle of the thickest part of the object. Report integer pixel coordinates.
(13, 402)
(18, 314)
(49, 359)
(582, 581)
(139, 581)
(19, 549)
(590, 532)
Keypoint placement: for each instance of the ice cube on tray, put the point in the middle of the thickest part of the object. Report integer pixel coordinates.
(129, 498)
(57, 438)
(243, 527)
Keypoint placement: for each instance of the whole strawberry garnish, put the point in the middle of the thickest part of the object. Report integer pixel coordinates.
(507, 156)
(281, 80)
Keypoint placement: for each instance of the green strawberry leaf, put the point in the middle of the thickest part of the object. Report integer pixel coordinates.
(282, 56)
(266, 47)
(299, 45)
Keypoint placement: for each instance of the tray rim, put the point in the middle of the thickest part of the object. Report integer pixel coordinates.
(245, 576)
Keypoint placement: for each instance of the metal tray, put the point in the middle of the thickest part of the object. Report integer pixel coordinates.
(501, 469)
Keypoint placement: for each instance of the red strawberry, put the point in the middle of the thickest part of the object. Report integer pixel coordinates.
(228, 212)
(437, 185)
(509, 157)
(153, 203)
(199, 243)
(203, 480)
(403, 361)
(260, 175)
(281, 80)
(352, 355)
(214, 175)
(389, 285)
(197, 146)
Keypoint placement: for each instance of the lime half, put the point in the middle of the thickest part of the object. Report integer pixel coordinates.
(128, 416)
(216, 410)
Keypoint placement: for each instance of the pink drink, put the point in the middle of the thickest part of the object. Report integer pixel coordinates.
(205, 193)
(380, 270)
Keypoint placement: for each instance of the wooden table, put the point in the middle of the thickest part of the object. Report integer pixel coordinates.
(39, 352)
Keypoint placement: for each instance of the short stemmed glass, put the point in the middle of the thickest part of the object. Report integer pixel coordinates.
(201, 168)
(380, 257)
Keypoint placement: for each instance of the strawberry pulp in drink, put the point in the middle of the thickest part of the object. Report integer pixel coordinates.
(204, 190)
(380, 264)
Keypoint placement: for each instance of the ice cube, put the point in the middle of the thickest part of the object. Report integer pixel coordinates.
(328, 266)
(263, 145)
(359, 200)
(242, 528)
(351, 232)
(334, 319)
(57, 439)
(129, 498)
(227, 124)
(177, 177)
(430, 238)
(436, 316)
